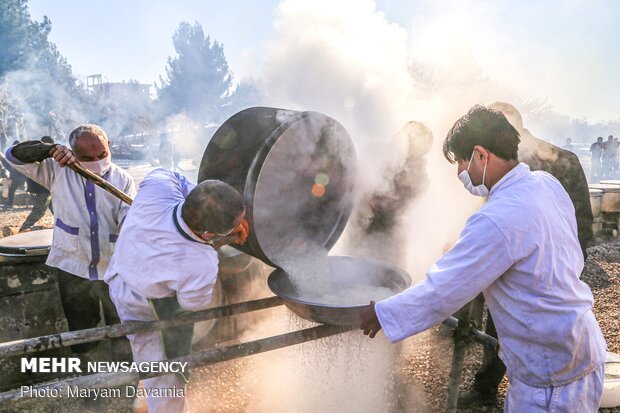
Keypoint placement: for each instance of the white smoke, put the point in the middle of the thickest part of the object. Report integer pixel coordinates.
(346, 60)
(341, 58)
(23, 87)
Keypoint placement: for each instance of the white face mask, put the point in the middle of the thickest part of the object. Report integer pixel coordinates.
(99, 167)
(478, 190)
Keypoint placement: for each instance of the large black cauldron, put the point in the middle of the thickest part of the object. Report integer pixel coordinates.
(296, 173)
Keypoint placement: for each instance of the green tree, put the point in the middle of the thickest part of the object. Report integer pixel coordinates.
(19, 35)
(38, 82)
(198, 81)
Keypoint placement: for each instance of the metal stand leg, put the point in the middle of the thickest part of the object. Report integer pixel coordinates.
(455, 375)
(462, 337)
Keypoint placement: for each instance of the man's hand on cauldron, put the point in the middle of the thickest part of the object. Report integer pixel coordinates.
(241, 232)
(369, 321)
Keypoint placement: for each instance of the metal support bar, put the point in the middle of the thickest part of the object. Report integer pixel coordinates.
(32, 345)
(462, 335)
(109, 380)
(477, 335)
(455, 375)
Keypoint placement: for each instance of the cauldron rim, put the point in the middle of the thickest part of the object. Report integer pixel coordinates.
(252, 247)
(405, 277)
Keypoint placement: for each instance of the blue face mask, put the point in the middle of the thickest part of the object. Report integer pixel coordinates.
(478, 190)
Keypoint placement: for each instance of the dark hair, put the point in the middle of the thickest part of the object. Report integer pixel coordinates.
(212, 206)
(485, 127)
(47, 139)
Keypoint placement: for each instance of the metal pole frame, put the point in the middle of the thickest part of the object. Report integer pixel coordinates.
(205, 358)
(35, 344)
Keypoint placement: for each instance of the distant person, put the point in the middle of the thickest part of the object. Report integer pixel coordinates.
(597, 152)
(380, 212)
(609, 157)
(5, 177)
(40, 198)
(166, 152)
(617, 161)
(541, 155)
(4, 139)
(569, 145)
(17, 181)
(176, 159)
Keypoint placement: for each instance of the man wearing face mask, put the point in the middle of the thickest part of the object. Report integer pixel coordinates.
(522, 252)
(564, 165)
(87, 223)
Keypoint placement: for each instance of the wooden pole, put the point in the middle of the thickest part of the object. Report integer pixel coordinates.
(31, 345)
(100, 182)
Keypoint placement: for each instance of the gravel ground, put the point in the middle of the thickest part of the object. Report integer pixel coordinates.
(12, 219)
(424, 364)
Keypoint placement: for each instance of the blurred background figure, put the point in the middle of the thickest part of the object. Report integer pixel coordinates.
(5, 180)
(166, 152)
(617, 159)
(609, 157)
(379, 217)
(541, 155)
(40, 197)
(597, 151)
(17, 181)
(569, 145)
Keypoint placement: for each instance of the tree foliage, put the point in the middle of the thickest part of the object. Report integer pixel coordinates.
(198, 80)
(246, 94)
(37, 82)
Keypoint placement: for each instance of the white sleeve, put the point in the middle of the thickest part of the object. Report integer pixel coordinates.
(195, 293)
(129, 189)
(184, 183)
(157, 176)
(480, 256)
(41, 172)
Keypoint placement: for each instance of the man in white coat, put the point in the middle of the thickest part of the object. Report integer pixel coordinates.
(521, 251)
(166, 263)
(87, 221)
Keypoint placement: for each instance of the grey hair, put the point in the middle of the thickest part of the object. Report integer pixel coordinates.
(87, 129)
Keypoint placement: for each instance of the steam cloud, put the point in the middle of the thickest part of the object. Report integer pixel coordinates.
(346, 60)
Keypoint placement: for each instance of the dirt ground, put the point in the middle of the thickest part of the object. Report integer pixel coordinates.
(425, 359)
(12, 219)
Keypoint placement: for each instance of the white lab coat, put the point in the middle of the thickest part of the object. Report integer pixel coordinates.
(521, 250)
(154, 259)
(87, 219)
